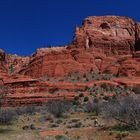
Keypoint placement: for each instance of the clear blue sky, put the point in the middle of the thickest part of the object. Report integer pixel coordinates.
(29, 24)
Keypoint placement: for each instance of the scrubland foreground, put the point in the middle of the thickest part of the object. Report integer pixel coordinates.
(85, 118)
(86, 90)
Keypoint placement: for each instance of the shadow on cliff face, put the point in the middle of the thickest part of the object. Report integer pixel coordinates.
(137, 45)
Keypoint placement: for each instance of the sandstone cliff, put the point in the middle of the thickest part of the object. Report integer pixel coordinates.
(102, 45)
(96, 46)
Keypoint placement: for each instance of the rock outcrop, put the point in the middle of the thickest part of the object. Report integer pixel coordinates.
(111, 35)
(58, 62)
(3, 72)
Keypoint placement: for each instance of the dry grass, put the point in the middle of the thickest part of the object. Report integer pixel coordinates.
(87, 131)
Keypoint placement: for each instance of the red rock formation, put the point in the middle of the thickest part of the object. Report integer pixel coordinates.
(137, 36)
(59, 61)
(96, 46)
(111, 35)
(15, 63)
(11, 64)
(106, 44)
(130, 67)
(3, 69)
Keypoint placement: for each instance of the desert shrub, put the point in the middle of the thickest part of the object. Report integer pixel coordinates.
(126, 90)
(76, 76)
(96, 90)
(29, 127)
(126, 110)
(7, 115)
(121, 127)
(97, 76)
(32, 127)
(94, 95)
(76, 98)
(58, 108)
(30, 109)
(53, 125)
(114, 97)
(20, 110)
(136, 90)
(115, 89)
(93, 106)
(59, 121)
(42, 119)
(4, 91)
(61, 137)
(42, 109)
(73, 77)
(124, 134)
(76, 103)
(47, 117)
(11, 69)
(121, 135)
(89, 107)
(26, 127)
(81, 95)
(74, 120)
(104, 86)
(106, 98)
(86, 79)
(75, 125)
(95, 100)
(106, 76)
(53, 90)
(111, 133)
(87, 89)
(86, 99)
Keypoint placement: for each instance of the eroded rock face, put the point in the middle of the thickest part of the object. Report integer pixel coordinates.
(111, 35)
(3, 70)
(137, 35)
(57, 62)
(106, 44)
(130, 68)
(97, 45)
(15, 63)
(11, 64)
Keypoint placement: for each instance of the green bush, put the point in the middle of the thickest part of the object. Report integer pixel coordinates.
(74, 125)
(136, 90)
(106, 98)
(76, 98)
(94, 95)
(24, 110)
(122, 128)
(126, 110)
(7, 115)
(114, 97)
(61, 137)
(86, 99)
(111, 133)
(105, 86)
(58, 108)
(121, 135)
(96, 100)
(81, 95)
